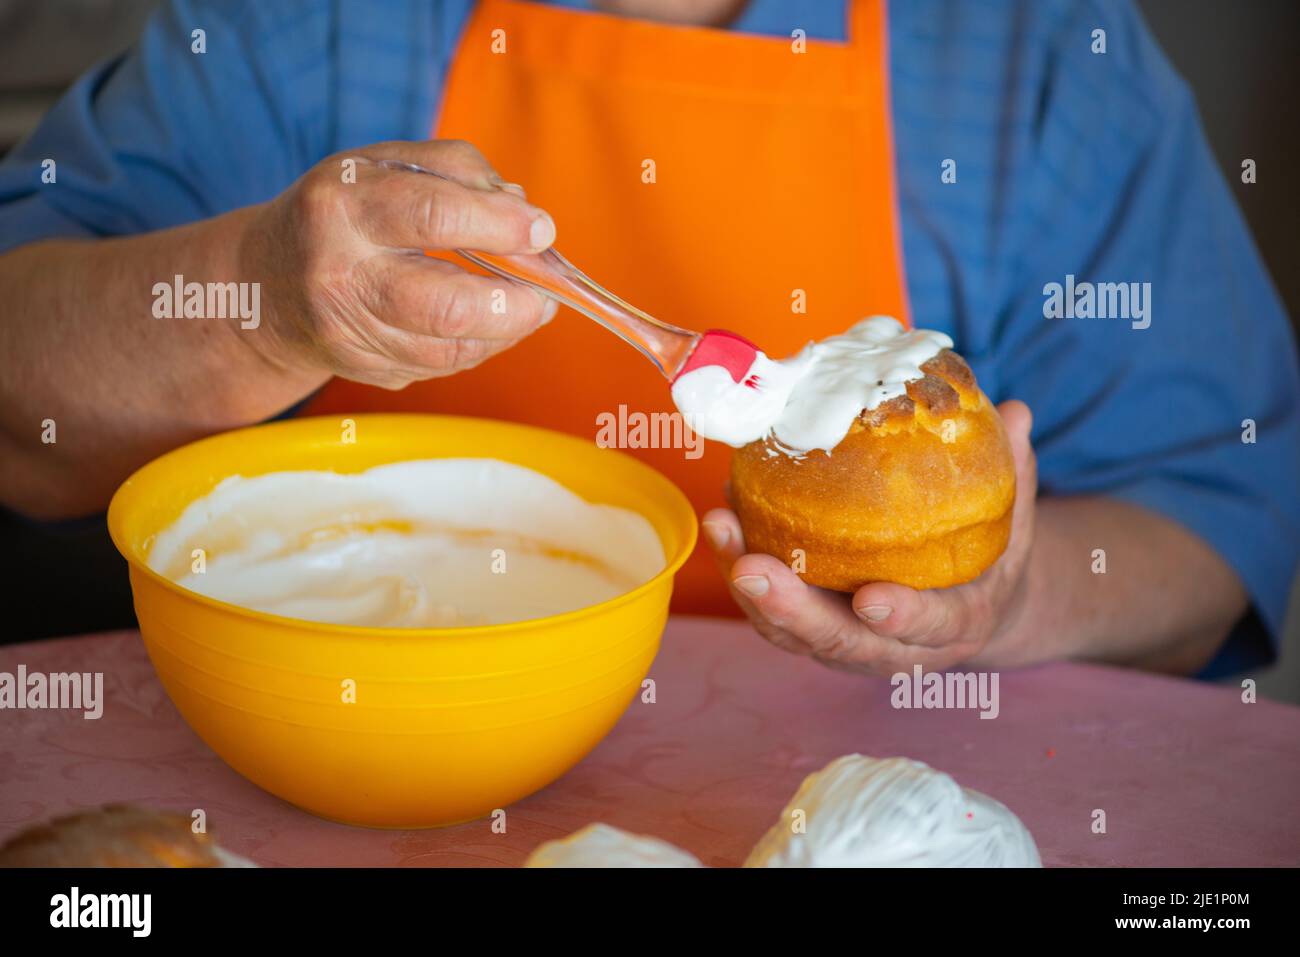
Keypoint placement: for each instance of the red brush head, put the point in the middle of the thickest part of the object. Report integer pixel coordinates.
(718, 347)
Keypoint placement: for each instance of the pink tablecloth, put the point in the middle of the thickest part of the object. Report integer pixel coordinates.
(1187, 774)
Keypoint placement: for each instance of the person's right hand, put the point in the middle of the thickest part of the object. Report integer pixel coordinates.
(346, 288)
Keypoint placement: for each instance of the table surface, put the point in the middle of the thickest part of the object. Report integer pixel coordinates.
(1187, 773)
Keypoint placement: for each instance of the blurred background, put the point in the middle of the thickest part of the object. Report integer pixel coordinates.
(1241, 58)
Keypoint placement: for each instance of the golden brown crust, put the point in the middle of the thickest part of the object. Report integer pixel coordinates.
(919, 492)
(117, 835)
(947, 386)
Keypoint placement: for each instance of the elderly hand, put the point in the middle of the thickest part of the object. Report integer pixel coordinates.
(340, 259)
(885, 628)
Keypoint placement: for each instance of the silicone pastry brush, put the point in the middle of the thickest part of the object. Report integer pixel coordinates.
(674, 350)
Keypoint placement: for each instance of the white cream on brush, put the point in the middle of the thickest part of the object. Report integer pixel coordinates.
(868, 812)
(810, 400)
(435, 543)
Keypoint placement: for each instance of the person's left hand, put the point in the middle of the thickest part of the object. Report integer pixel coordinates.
(885, 628)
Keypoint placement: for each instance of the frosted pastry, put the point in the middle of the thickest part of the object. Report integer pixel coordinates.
(884, 462)
(811, 400)
(894, 812)
(599, 845)
(117, 835)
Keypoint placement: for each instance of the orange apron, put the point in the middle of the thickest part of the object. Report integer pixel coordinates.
(715, 179)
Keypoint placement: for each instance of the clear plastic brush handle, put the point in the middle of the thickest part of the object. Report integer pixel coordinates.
(667, 346)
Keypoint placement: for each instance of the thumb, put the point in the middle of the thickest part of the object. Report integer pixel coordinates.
(1019, 422)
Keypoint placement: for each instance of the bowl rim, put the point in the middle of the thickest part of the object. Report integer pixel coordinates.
(678, 503)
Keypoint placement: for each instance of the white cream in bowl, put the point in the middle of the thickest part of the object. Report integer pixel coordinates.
(420, 544)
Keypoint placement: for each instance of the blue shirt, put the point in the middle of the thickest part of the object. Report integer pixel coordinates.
(1068, 162)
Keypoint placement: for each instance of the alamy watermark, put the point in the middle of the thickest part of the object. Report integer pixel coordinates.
(946, 690)
(58, 690)
(1102, 300)
(74, 909)
(625, 429)
(179, 299)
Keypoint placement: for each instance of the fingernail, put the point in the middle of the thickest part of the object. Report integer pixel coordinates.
(718, 534)
(755, 586)
(549, 310)
(542, 233)
(875, 612)
(512, 188)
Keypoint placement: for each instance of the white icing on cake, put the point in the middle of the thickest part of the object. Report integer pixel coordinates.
(894, 812)
(599, 845)
(810, 400)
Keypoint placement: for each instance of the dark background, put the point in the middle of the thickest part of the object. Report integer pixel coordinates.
(1241, 57)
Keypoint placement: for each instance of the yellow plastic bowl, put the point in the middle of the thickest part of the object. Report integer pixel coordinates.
(448, 724)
